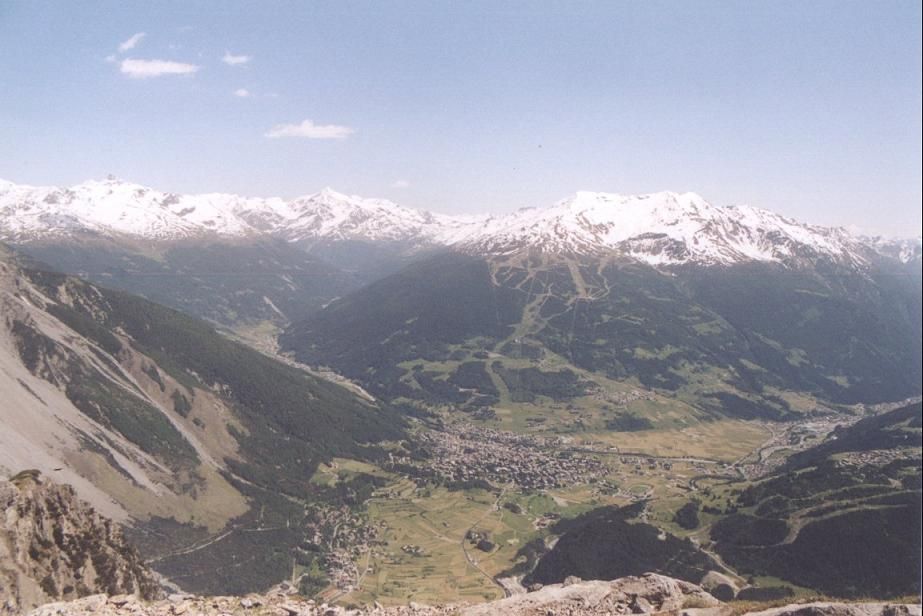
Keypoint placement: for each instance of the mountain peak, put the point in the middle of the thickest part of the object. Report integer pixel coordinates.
(329, 193)
(111, 183)
(662, 199)
(663, 229)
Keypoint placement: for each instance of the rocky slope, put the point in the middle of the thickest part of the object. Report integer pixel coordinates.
(165, 425)
(54, 546)
(648, 594)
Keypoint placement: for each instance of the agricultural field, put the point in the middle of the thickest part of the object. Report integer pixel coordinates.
(436, 544)
(423, 555)
(430, 525)
(726, 440)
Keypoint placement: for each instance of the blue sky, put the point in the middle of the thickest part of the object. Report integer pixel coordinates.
(812, 108)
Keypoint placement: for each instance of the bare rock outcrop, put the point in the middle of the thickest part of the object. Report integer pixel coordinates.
(644, 594)
(647, 594)
(633, 595)
(55, 546)
(842, 609)
(249, 605)
(719, 585)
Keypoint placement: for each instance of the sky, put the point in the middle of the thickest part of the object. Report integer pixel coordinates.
(811, 109)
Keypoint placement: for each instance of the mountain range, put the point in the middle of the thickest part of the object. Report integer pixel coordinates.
(663, 228)
(732, 309)
(122, 372)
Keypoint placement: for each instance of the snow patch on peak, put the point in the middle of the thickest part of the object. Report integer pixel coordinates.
(330, 215)
(112, 207)
(664, 228)
(905, 250)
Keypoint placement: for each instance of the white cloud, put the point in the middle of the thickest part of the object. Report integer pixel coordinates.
(142, 69)
(400, 184)
(242, 93)
(131, 43)
(310, 130)
(232, 60)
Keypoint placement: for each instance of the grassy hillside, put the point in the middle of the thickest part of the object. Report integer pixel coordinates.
(292, 420)
(210, 445)
(892, 430)
(732, 340)
(417, 313)
(230, 283)
(842, 517)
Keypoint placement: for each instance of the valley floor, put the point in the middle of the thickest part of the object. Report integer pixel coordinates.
(415, 539)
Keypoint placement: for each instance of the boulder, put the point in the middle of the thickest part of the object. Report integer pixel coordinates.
(842, 609)
(649, 593)
(719, 585)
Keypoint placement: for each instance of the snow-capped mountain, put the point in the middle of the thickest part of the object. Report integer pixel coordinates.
(114, 208)
(908, 250)
(334, 216)
(661, 229)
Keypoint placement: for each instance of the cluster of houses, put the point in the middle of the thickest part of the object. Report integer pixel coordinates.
(879, 457)
(343, 535)
(619, 398)
(465, 453)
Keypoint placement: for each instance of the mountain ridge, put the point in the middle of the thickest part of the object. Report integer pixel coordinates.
(662, 229)
(735, 340)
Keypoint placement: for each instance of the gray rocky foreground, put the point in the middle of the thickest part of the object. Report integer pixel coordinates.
(647, 594)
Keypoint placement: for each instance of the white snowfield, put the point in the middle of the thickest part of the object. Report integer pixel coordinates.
(661, 229)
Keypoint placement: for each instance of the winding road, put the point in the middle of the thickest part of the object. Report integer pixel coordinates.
(471, 559)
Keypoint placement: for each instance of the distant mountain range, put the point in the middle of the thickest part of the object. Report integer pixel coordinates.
(660, 229)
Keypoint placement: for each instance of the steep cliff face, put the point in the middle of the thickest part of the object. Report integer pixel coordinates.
(55, 546)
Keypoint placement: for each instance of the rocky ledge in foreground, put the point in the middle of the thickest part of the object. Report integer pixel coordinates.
(647, 594)
(55, 546)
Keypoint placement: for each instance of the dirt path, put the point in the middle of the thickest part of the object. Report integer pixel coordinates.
(473, 561)
(193, 548)
(358, 586)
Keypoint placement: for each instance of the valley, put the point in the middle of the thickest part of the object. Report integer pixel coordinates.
(461, 308)
(416, 536)
(407, 418)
